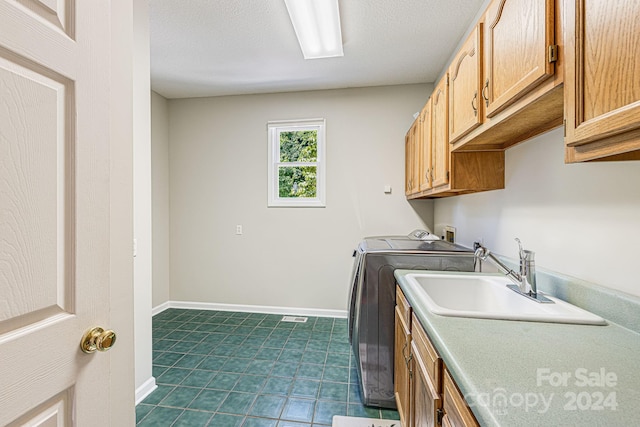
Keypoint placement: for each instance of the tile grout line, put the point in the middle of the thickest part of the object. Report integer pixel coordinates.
(332, 336)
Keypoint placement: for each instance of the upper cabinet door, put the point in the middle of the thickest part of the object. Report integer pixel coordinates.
(602, 85)
(519, 48)
(465, 106)
(412, 158)
(425, 147)
(408, 162)
(440, 133)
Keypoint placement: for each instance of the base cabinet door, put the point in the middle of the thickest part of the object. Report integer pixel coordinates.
(427, 402)
(401, 373)
(456, 411)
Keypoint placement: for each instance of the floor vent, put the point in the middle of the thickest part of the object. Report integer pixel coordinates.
(295, 319)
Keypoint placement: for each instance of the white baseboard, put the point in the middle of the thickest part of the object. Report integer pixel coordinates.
(160, 308)
(316, 312)
(145, 389)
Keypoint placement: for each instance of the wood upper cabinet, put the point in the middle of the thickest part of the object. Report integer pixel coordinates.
(602, 88)
(443, 173)
(425, 148)
(408, 163)
(440, 133)
(412, 158)
(522, 56)
(518, 50)
(465, 107)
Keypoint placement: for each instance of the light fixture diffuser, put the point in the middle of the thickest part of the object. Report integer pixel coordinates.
(317, 26)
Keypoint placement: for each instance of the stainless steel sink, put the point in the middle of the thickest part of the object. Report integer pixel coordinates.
(487, 296)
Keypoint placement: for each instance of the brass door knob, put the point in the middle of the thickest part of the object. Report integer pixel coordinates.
(97, 339)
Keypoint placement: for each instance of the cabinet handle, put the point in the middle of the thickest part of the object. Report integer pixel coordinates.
(439, 416)
(407, 360)
(426, 175)
(473, 101)
(484, 93)
(404, 356)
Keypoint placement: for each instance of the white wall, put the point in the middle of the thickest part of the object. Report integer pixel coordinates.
(291, 257)
(142, 192)
(160, 197)
(581, 219)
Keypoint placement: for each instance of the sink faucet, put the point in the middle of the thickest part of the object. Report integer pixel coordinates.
(527, 270)
(525, 280)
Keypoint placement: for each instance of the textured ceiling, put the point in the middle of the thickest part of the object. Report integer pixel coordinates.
(229, 47)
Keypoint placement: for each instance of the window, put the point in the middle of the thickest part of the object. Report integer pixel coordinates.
(297, 163)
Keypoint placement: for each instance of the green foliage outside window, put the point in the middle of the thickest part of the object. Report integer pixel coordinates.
(298, 146)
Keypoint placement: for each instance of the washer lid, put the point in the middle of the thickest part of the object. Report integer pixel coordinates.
(403, 243)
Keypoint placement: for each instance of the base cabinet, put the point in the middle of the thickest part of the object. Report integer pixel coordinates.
(428, 402)
(425, 379)
(426, 394)
(455, 409)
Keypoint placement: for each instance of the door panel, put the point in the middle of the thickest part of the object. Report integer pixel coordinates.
(58, 13)
(56, 412)
(36, 208)
(54, 210)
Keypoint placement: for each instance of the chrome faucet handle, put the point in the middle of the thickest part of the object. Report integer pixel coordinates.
(521, 251)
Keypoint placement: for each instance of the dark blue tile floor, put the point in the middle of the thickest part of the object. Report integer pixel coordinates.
(232, 369)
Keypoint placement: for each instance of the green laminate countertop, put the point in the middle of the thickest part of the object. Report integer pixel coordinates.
(515, 373)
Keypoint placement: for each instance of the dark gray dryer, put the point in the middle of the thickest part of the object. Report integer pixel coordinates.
(372, 301)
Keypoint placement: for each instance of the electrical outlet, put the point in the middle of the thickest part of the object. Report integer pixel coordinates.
(238, 229)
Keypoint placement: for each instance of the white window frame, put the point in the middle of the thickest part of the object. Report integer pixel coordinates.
(274, 129)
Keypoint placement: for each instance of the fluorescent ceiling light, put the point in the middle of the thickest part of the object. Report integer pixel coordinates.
(317, 26)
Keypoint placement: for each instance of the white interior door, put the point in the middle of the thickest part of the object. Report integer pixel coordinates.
(54, 211)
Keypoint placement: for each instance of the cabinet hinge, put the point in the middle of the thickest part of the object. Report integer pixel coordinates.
(439, 415)
(564, 127)
(553, 53)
